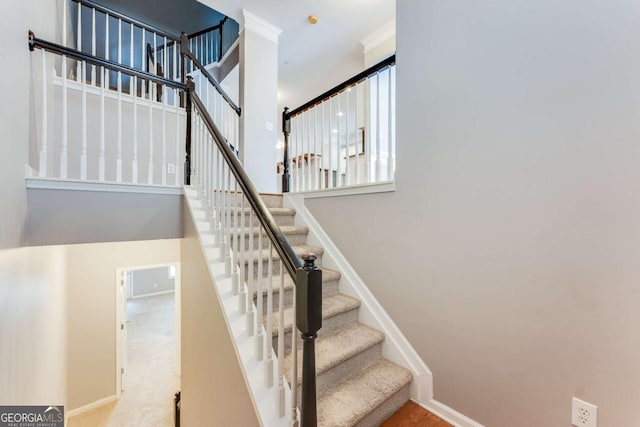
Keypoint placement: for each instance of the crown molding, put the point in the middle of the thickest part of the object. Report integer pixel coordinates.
(260, 27)
(382, 34)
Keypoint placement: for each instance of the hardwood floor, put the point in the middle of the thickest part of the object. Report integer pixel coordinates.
(413, 415)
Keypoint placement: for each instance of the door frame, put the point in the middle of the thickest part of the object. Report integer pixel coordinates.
(120, 346)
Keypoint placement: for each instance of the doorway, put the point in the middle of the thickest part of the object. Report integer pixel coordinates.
(148, 337)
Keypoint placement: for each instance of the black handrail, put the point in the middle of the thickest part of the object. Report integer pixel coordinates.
(206, 30)
(344, 85)
(35, 42)
(128, 19)
(282, 245)
(187, 53)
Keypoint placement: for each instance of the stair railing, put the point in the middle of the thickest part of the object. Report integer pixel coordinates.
(91, 104)
(245, 231)
(344, 137)
(220, 106)
(120, 38)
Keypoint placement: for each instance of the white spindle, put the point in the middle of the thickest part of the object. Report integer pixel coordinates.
(93, 45)
(83, 154)
(281, 395)
(391, 108)
(307, 159)
(358, 133)
(242, 297)
(317, 158)
(330, 157)
(101, 159)
(227, 234)
(347, 140)
(236, 249)
(64, 24)
(134, 162)
(131, 53)
(165, 62)
(294, 367)
(164, 97)
(144, 65)
(119, 84)
(367, 131)
(269, 365)
(339, 179)
(323, 178)
(106, 36)
(176, 106)
(150, 165)
(175, 60)
(42, 164)
(260, 310)
(378, 113)
(250, 279)
(78, 43)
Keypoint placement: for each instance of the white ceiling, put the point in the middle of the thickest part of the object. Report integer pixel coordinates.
(314, 58)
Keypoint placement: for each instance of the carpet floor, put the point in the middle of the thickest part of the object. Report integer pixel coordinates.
(150, 377)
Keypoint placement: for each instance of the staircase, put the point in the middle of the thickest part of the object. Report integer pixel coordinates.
(355, 384)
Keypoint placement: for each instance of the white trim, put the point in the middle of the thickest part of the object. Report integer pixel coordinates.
(260, 27)
(352, 190)
(395, 347)
(153, 294)
(109, 187)
(381, 35)
(449, 415)
(91, 406)
(210, 67)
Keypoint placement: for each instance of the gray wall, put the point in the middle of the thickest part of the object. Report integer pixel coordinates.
(509, 253)
(213, 388)
(151, 281)
(69, 216)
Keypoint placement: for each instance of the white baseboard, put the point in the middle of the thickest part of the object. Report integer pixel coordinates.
(395, 347)
(449, 415)
(153, 294)
(90, 406)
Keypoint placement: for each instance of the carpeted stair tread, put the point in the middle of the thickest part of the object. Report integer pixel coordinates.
(274, 211)
(331, 306)
(350, 402)
(327, 276)
(338, 347)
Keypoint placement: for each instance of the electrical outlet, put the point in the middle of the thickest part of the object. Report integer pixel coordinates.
(583, 414)
(171, 168)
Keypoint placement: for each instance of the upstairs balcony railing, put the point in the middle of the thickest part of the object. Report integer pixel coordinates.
(344, 137)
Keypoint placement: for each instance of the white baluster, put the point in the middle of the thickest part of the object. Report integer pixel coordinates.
(378, 160)
(358, 133)
(260, 310)
(392, 135)
(347, 140)
(106, 36)
(164, 97)
(303, 153)
(42, 164)
(78, 43)
(101, 160)
(131, 53)
(242, 297)
(93, 45)
(269, 364)
(227, 233)
(323, 176)
(64, 24)
(367, 131)
(144, 65)
(175, 60)
(151, 142)
(331, 134)
(316, 158)
(340, 181)
(294, 366)
(281, 394)
(176, 106)
(236, 250)
(119, 84)
(83, 154)
(134, 162)
(250, 280)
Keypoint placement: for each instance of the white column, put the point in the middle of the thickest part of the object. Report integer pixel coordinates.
(259, 122)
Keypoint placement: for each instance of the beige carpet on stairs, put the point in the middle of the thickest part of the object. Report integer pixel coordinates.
(150, 378)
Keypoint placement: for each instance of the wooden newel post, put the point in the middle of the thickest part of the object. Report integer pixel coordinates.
(309, 322)
(189, 107)
(286, 129)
